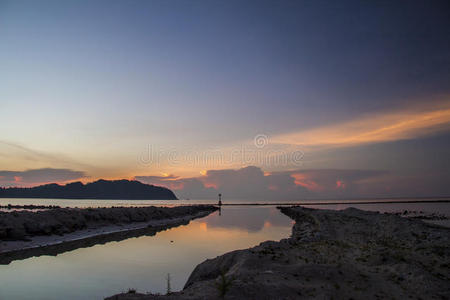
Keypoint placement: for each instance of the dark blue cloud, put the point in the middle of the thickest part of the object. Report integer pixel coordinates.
(35, 176)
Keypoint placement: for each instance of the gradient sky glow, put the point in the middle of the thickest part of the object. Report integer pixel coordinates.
(347, 98)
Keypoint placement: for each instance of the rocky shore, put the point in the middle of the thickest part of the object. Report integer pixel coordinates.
(349, 254)
(30, 233)
(28, 207)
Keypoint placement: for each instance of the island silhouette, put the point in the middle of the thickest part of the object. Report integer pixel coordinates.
(100, 189)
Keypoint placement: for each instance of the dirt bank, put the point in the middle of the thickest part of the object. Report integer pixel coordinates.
(25, 233)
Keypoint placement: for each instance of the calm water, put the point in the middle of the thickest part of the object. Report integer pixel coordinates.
(143, 263)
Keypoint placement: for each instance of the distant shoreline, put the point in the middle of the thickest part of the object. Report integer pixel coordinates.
(335, 203)
(9, 204)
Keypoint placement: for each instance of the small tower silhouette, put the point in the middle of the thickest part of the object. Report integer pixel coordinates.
(220, 199)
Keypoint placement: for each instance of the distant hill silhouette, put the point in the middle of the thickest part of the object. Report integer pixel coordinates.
(100, 189)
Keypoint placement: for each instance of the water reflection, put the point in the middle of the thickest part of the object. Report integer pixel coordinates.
(141, 262)
(252, 219)
(53, 250)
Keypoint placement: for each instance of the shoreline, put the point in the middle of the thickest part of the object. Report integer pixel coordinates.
(336, 203)
(5, 206)
(331, 254)
(38, 245)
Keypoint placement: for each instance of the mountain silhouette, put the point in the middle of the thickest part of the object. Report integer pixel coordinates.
(100, 189)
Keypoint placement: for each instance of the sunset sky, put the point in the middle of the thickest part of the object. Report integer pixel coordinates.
(253, 99)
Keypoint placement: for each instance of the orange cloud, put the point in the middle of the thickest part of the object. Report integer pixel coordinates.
(267, 224)
(304, 181)
(273, 187)
(203, 226)
(373, 129)
(210, 185)
(340, 184)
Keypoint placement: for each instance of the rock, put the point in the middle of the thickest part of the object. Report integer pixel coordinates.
(16, 233)
(17, 225)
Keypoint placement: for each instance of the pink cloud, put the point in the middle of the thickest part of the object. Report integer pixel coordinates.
(252, 183)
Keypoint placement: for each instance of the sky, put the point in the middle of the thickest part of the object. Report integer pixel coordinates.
(253, 99)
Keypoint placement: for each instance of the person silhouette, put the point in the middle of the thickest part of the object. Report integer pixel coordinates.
(220, 199)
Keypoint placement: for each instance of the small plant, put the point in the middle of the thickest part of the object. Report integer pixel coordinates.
(131, 291)
(224, 283)
(169, 290)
